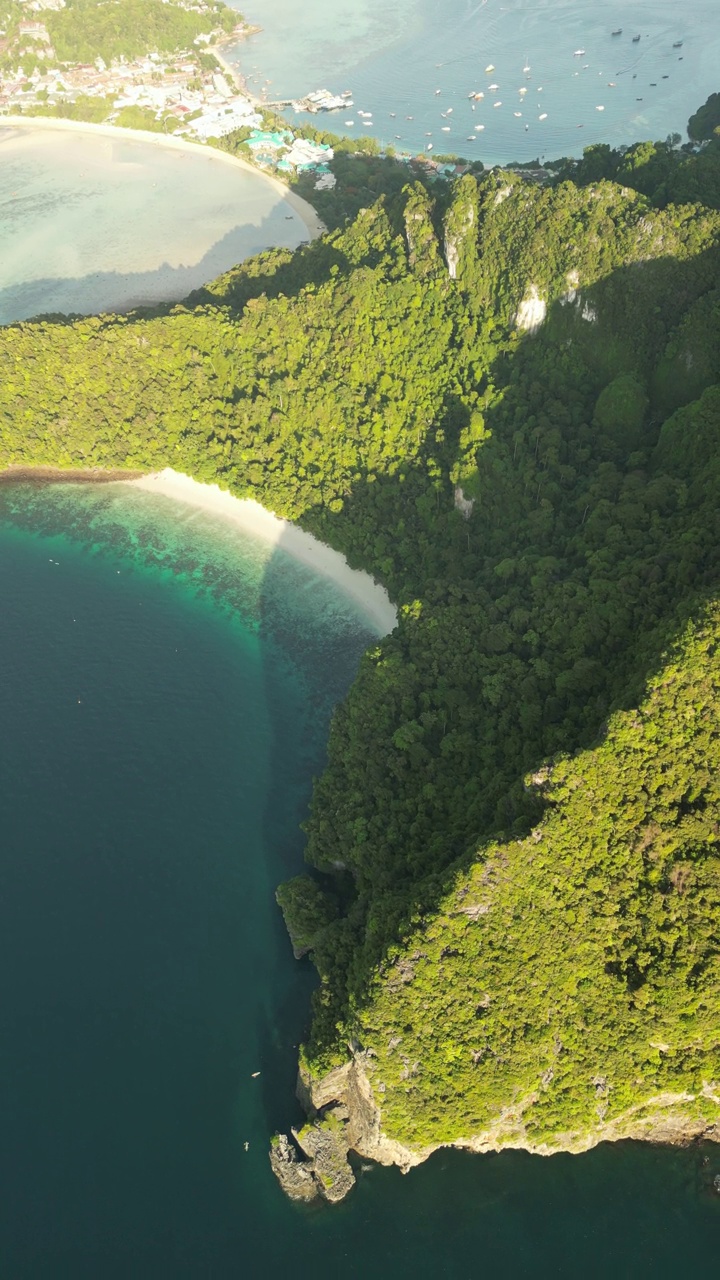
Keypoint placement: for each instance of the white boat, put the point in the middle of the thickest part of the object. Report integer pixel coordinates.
(479, 127)
(497, 104)
(445, 128)
(493, 86)
(490, 68)
(579, 53)
(599, 108)
(543, 116)
(517, 113)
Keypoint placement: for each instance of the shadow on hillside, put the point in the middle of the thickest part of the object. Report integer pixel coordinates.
(542, 614)
(586, 552)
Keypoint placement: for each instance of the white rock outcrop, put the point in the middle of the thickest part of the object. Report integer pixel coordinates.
(531, 312)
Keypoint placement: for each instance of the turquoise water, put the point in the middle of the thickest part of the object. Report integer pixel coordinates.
(164, 698)
(394, 56)
(103, 223)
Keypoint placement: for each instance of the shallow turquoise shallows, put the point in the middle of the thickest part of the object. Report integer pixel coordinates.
(421, 58)
(165, 692)
(92, 222)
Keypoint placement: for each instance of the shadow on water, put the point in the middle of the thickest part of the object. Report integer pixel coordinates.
(632, 1210)
(160, 1185)
(112, 291)
(313, 638)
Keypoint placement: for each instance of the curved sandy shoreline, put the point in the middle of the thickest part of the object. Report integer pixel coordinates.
(255, 520)
(315, 226)
(246, 515)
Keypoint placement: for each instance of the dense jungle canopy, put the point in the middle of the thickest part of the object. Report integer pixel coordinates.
(515, 842)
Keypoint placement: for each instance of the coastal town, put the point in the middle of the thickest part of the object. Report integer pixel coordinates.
(192, 93)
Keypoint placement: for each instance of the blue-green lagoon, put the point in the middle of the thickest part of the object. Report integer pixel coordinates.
(165, 690)
(101, 220)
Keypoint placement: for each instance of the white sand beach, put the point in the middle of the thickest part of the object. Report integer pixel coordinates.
(254, 520)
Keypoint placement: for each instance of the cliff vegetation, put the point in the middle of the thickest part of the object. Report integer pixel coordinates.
(504, 401)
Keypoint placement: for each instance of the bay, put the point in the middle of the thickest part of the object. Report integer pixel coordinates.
(100, 221)
(165, 690)
(394, 57)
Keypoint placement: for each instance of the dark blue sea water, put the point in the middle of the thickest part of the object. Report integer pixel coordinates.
(164, 702)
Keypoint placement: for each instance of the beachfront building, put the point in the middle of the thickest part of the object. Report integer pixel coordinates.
(279, 149)
(238, 113)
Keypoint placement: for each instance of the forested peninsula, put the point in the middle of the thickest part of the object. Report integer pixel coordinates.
(502, 398)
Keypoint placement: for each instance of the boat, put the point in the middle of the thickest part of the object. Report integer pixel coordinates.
(429, 146)
(617, 32)
(678, 44)
(517, 113)
(599, 108)
(323, 100)
(493, 86)
(579, 53)
(445, 128)
(497, 104)
(543, 116)
(478, 127)
(636, 39)
(490, 67)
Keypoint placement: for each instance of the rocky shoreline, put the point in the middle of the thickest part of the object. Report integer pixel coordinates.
(345, 1118)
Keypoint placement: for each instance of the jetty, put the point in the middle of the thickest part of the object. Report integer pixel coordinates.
(318, 100)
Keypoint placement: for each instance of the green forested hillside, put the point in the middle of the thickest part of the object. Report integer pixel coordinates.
(571, 978)
(86, 29)
(353, 386)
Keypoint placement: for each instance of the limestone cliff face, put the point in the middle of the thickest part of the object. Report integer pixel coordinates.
(346, 1116)
(460, 229)
(422, 242)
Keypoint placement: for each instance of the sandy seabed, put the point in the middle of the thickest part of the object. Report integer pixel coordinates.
(254, 520)
(314, 225)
